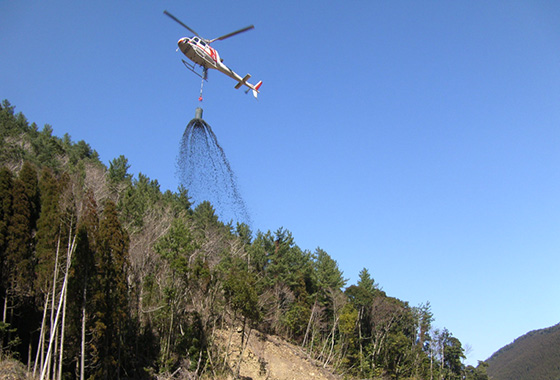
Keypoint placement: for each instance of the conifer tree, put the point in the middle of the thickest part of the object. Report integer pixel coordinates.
(28, 176)
(48, 232)
(6, 195)
(82, 280)
(19, 254)
(110, 296)
(19, 247)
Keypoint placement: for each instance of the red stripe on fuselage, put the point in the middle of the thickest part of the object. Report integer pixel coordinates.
(208, 50)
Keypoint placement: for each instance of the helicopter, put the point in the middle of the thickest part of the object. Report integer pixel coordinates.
(199, 51)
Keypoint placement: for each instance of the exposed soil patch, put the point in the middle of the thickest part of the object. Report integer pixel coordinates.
(269, 357)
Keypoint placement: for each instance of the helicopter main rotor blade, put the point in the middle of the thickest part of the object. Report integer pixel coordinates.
(232, 33)
(181, 23)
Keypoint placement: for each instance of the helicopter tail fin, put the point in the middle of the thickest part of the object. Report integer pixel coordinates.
(256, 89)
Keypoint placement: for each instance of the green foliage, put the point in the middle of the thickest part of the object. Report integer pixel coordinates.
(367, 283)
(205, 216)
(327, 274)
(6, 196)
(19, 247)
(239, 289)
(295, 319)
(478, 373)
(118, 170)
(9, 340)
(137, 199)
(177, 247)
(179, 202)
(21, 142)
(348, 319)
(48, 231)
(110, 295)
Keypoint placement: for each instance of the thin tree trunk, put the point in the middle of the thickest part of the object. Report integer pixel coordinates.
(68, 255)
(5, 306)
(229, 340)
(55, 277)
(360, 340)
(40, 346)
(54, 355)
(29, 353)
(431, 365)
(46, 367)
(332, 342)
(309, 324)
(83, 342)
(243, 348)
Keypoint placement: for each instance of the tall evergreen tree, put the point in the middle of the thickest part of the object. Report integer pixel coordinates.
(48, 231)
(326, 271)
(19, 254)
(28, 176)
(82, 276)
(6, 195)
(110, 296)
(19, 248)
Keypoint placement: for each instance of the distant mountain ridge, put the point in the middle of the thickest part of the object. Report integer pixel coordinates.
(535, 355)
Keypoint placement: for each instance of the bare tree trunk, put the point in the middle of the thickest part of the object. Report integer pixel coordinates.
(29, 353)
(211, 363)
(309, 324)
(54, 355)
(243, 348)
(83, 342)
(229, 340)
(431, 365)
(40, 346)
(55, 277)
(360, 339)
(46, 367)
(332, 342)
(68, 257)
(5, 306)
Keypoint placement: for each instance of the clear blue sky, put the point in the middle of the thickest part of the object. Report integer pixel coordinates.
(418, 139)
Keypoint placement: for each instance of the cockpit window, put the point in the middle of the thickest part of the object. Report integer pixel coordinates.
(203, 43)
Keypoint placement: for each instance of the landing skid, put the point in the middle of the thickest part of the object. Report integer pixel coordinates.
(192, 68)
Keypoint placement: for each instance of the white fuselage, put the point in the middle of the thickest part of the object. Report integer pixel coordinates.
(204, 55)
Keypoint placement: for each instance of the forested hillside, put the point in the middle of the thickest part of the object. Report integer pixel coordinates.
(535, 355)
(104, 276)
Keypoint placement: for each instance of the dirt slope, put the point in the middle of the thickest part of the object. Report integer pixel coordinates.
(268, 357)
